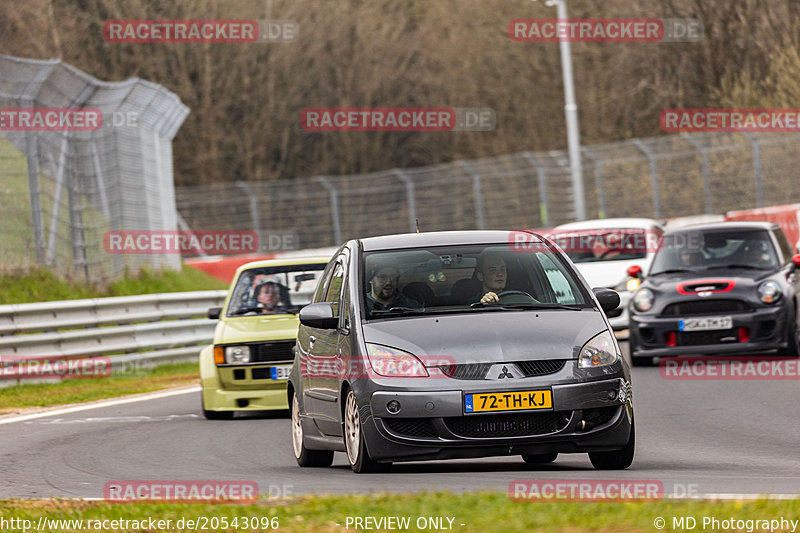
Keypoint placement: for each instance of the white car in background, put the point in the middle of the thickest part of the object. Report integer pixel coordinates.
(605, 250)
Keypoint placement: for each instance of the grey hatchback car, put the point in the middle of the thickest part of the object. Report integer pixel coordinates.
(446, 345)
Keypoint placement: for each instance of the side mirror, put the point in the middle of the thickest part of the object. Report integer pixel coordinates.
(214, 312)
(635, 271)
(608, 298)
(319, 315)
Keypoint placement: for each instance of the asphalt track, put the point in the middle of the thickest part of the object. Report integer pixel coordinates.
(696, 437)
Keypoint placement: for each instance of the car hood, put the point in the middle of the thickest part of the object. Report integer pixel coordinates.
(665, 282)
(256, 328)
(608, 273)
(491, 336)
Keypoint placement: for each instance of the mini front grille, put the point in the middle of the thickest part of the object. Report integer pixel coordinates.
(508, 425)
(411, 427)
(541, 368)
(697, 338)
(704, 307)
(272, 352)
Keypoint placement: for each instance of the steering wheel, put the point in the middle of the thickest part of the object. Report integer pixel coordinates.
(516, 297)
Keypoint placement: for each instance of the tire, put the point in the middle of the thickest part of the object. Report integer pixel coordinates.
(357, 454)
(304, 456)
(539, 458)
(617, 459)
(214, 415)
(637, 361)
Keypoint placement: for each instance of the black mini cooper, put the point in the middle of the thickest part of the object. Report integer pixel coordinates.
(724, 288)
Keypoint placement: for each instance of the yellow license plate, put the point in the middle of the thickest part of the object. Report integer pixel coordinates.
(508, 401)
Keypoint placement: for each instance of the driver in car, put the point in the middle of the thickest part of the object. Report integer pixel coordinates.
(491, 272)
(383, 293)
(268, 297)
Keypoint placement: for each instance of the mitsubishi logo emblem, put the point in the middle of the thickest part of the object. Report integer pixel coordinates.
(504, 373)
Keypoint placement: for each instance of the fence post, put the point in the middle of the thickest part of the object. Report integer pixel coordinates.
(62, 165)
(337, 223)
(653, 175)
(598, 174)
(79, 255)
(756, 167)
(704, 167)
(476, 190)
(542, 180)
(412, 202)
(255, 220)
(35, 194)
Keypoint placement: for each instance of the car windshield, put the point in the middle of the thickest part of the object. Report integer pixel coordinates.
(454, 279)
(274, 289)
(696, 251)
(614, 244)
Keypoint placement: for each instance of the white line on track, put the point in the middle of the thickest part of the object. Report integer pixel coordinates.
(98, 405)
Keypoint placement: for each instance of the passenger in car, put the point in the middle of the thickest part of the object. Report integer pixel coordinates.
(383, 292)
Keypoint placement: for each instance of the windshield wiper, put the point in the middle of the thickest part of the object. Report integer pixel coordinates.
(496, 305)
(674, 271)
(398, 311)
(293, 310)
(541, 306)
(748, 267)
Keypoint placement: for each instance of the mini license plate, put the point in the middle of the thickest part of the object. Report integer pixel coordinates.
(705, 323)
(280, 372)
(508, 401)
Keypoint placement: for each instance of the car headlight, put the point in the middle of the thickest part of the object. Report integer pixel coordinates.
(392, 363)
(643, 300)
(599, 351)
(769, 292)
(629, 285)
(237, 354)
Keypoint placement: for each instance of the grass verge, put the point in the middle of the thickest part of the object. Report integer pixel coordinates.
(13, 399)
(485, 512)
(41, 285)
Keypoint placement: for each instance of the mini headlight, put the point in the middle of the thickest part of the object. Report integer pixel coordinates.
(599, 351)
(769, 292)
(237, 354)
(643, 300)
(391, 362)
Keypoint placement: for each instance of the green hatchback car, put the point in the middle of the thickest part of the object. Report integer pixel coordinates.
(247, 366)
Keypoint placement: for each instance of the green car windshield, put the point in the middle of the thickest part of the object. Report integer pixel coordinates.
(452, 279)
(274, 289)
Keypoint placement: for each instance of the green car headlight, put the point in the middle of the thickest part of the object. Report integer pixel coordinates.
(237, 354)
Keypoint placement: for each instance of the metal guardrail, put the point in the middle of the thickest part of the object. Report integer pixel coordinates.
(134, 331)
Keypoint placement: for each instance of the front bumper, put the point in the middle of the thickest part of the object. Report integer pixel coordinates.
(589, 416)
(244, 388)
(765, 327)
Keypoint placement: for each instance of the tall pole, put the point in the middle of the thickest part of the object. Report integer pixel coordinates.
(571, 112)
